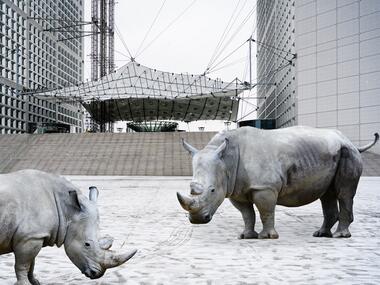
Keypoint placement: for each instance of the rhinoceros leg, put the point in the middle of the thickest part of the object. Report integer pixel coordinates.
(346, 216)
(248, 213)
(330, 213)
(346, 182)
(31, 277)
(265, 201)
(25, 253)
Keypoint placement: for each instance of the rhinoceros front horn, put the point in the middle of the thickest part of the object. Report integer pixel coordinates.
(111, 259)
(192, 150)
(185, 201)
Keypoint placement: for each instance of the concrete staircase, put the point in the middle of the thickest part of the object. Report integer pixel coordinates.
(155, 154)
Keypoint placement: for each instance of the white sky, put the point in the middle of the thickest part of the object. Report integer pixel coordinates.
(188, 44)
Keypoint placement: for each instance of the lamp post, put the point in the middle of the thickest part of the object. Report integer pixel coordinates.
(250, 63)
(227, 124)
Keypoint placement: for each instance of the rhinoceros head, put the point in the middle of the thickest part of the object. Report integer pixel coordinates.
(209, 184)
(82, 245)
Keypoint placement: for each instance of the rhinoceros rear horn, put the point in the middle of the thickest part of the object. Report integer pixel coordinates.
(111, 259)
(192, 150)
(185, 201)
(105, 242)
(94, 193)
(221, 149)
(75, 200)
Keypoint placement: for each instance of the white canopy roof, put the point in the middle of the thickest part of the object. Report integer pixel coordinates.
(150, 87)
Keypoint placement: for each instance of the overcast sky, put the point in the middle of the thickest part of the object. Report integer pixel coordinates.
(189, 43)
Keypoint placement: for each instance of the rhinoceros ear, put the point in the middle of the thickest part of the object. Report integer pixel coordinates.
(192, 150)
(94, 193)
(222, 148)
(74, 199)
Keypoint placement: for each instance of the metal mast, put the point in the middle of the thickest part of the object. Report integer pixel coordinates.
(94, 40)
(103, 38)
(102, 46)
(111, 36)
(250, 63)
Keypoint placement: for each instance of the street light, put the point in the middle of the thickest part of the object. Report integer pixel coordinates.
(227, 124)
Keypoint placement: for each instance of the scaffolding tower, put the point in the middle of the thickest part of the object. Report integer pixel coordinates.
(102, 38)
(102, 43)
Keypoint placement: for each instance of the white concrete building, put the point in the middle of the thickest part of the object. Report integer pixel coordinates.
(33, 58)
(335, 82)
(275, 74)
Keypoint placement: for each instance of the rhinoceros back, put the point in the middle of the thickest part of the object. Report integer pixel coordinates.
(28, 207)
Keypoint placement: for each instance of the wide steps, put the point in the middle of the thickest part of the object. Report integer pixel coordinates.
(153, 154)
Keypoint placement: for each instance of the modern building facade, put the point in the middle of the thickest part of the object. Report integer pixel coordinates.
(89, 124)
(35, 55)
(336, 77)
(276, 73)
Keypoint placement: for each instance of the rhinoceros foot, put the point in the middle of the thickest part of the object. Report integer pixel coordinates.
(34, 281)
(25, 282)
(272, 234)
(322, 233)
(342, 234)
(248, 235)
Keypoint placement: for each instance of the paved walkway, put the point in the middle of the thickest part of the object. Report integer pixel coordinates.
(143, 213)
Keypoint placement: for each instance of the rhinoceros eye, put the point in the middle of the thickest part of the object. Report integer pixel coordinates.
(213, 190)
(87, 244)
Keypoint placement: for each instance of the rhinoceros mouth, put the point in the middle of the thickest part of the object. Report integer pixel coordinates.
(92, 274)
(200, 219)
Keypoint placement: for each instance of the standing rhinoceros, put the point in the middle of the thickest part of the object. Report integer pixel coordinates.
(290, 167)
(38, 209)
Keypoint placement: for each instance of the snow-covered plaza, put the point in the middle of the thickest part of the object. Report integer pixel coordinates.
(143, 213)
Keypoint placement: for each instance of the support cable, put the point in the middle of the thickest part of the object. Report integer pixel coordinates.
(123, 41)
(278, 55)
(151, 26)
(245, 72)
(227, 56)
(242, 59)
(246, 115)
(249, 63)
(246, 100)
(167, 27)
(250, 13)
(225, 32)
(265, 45)
(123, 54)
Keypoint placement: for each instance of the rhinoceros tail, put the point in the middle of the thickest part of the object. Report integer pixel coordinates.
(368, 146)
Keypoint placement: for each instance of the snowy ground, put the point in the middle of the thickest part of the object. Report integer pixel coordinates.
(143, 213)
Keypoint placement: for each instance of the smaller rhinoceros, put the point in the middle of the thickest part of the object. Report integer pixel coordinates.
(38, 209)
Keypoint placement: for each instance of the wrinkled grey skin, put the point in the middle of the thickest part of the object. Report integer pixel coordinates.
(290, 167)
(39, 209)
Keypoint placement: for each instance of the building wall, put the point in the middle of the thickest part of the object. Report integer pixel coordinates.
(337, 70)
(89, 124)
(33, 58)
(275, 46)
(339, 66)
